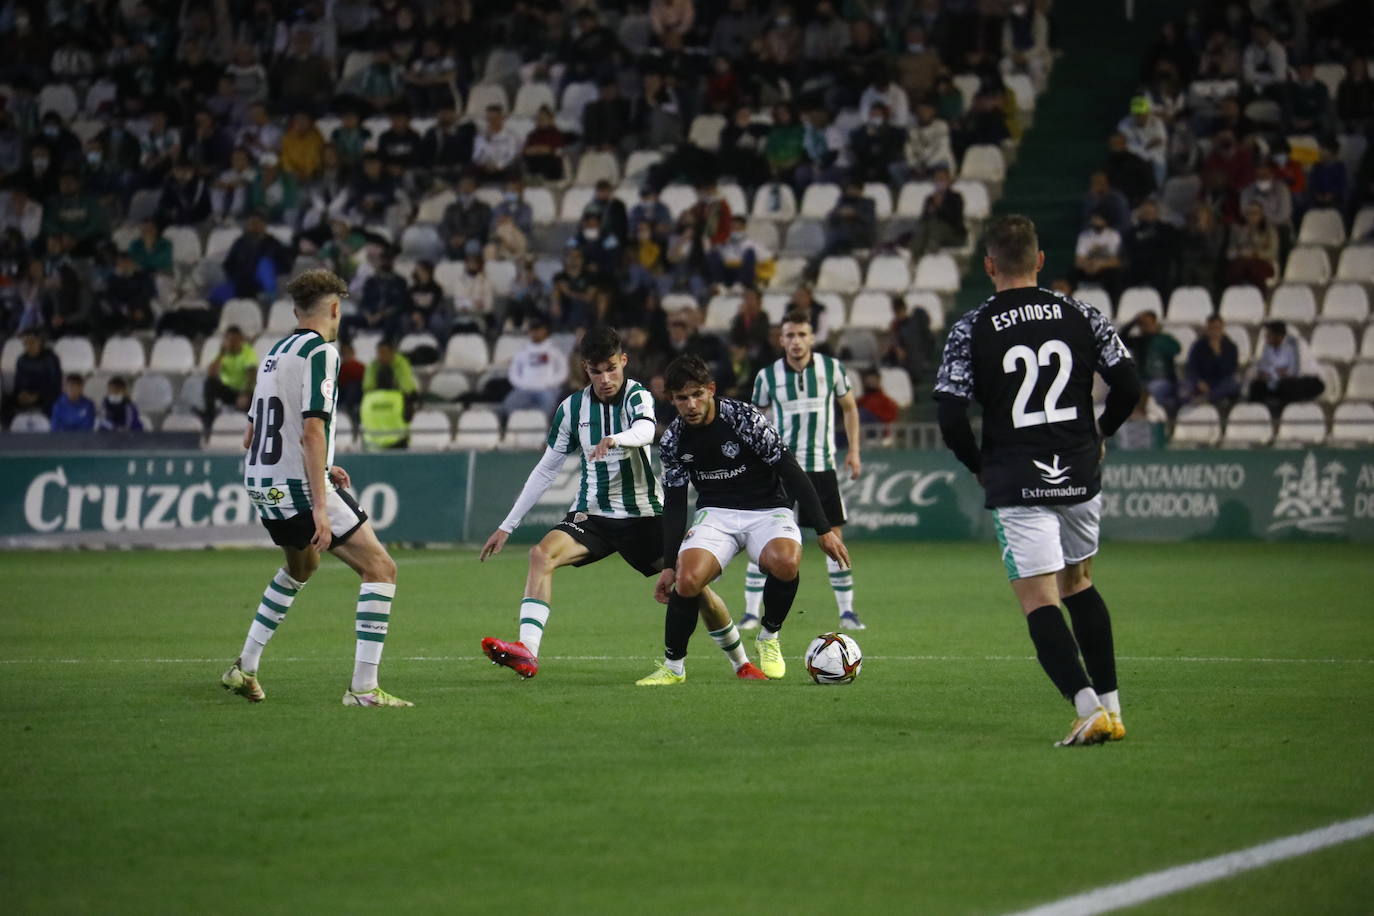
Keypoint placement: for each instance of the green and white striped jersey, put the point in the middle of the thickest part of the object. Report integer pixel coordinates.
(623, 485)
(296, 379)
(802, 406)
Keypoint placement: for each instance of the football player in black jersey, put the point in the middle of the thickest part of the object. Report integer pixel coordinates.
(746, 484)
(1027, 356)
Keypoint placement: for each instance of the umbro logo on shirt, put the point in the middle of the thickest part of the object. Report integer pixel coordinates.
(687, 457)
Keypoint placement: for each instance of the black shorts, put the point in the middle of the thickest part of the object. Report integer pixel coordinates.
(827, 486)
(345, 517)
(638, 540)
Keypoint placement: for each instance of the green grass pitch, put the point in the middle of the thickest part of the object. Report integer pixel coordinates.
(131, 783)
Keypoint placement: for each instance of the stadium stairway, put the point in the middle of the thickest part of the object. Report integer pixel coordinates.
(1094, 77)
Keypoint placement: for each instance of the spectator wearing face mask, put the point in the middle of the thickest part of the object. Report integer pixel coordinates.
(117, 412)
(876, 406)
(734, 262)
(1274, 200)
(877, 148)
(1097, 257)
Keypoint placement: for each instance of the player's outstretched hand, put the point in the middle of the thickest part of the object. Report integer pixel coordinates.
(340, 477)
(601, 448)
(493, 545)
(854, 464)
(664, 585)
(834, 548)
(323, 536)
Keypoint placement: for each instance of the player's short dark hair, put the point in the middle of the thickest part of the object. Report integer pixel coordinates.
(797, 316)
(684, 372)
(599, 344)
(1012, 244)
(310, 288)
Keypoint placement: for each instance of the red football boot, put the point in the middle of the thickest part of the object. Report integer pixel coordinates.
(513, 655)
(750, 672)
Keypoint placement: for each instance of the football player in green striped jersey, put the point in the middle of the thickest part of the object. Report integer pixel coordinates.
(617, 509)
(301, 495)
(798, 393)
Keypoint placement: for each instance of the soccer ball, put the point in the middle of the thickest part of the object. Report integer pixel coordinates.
(833, 659)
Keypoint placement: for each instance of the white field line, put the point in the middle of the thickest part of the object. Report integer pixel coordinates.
(1182, 877)
(631, 658)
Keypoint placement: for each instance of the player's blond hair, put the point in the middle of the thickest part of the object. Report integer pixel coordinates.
(312, 287)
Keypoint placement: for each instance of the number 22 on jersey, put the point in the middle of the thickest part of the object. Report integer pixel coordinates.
(1022, 355)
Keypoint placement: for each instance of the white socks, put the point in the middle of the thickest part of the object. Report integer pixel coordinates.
(374, 615)
(728, 639)
(276, 601)
(1111, 701)
(675, 665)
(842, 583)
(533, 615)
(1086, 701)
(753, 590)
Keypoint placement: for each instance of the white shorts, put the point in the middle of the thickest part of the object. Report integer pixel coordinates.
(1043, 539)
(725, 532)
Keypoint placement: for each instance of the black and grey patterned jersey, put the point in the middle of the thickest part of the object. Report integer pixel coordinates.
(731, 460)
(1027, 356)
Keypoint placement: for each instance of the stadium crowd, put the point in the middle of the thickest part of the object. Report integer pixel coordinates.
(1234, 191)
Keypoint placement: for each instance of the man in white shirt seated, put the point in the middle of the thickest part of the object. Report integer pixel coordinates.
(496, 152)
(1285, 371)
(537, 372)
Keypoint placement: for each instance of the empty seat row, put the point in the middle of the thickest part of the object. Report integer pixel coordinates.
(1249, 425)
(1344, 301)
(1309, 264)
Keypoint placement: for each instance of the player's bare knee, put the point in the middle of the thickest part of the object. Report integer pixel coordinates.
(781, 567)
(381, 569)
(539, 559)
(303, 565)
(690, 583)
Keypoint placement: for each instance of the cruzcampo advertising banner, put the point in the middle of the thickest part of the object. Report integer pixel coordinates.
(166, 498)
(182, 497)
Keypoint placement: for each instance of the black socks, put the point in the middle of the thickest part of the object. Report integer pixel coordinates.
(678, 624)
(1056, 649)
(777, 601)
(1092, 627)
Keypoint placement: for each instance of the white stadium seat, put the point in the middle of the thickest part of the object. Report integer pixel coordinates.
(466, 352)
(1322, 226)
(9, 354)
(1301, 424)
(281, 316)
(1197, 425)
(186, 250)
(1293, 302)
(430, 431)
(889, 273)
(75, 354)
(1335, 342)
(1367, 343)
(1098, 298)
(678, 198)
(705, 131)
(912, 199)
(1240, 335)
(1186, 334)
(1242, 304)
(930, 303)
(597, 165)
(226, 432)
(787, 273)
(575, 200)
(1187, 304)
(839, 274)
(720, 311)
(1248, 425)
(897, 384)
(804, 236)
(1308, 265)
(820, 198)
(153, 393)
(640, 161)
(871, 310)
(30, 421)
(507, 345)
(984, 162)
(1357, 263)
(1345, 302)
(881, 196)
(122, 354)
(181, 422)
(531, 97)
(1360, 386)
(245, 313)
(977, 203)
(1353, 424)
(478, 428)
(938, 272)
(774, 201)
(484, 94)
(220, 241)
(526, 428)
(432, 207)
(733, 195)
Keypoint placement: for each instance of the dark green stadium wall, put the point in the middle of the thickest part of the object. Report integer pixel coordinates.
(1094, 78)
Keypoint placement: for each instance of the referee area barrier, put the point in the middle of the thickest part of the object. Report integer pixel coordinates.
(195, 499)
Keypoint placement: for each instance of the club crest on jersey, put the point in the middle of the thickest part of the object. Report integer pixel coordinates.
(1052, 473)
(327, 389)
(580, 517)
(730, 449)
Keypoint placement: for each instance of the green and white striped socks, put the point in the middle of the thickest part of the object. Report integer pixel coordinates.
(842, 583)
(728, 639)
(374, 615)
(276, 601)
(533, 615)
(753, 589)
